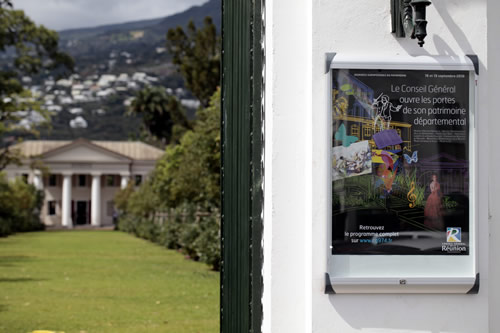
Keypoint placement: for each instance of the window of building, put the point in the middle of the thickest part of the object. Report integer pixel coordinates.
(355, 130)
(51, 208)
(110, 180)
(52, 180)
(367, 132)
(82, 180)
(25, 177)
(138, 180)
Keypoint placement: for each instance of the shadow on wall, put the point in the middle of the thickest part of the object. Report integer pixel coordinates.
(443, 48)
(442, 7)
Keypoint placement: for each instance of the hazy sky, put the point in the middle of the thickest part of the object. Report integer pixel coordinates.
(65, 14)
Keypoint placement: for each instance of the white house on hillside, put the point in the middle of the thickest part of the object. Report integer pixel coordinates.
(84, 176)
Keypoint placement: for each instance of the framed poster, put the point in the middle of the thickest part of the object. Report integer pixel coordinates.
(402, 167)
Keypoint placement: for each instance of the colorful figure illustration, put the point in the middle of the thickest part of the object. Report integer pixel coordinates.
(386, 176)
(433, 208)
(382, 156)
(354, 160)
(383, 108)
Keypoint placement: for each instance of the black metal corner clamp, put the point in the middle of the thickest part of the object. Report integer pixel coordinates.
(475, 287)
(328, 285)
(329, 58)
(475, 61)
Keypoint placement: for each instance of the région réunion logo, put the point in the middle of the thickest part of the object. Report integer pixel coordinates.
(453, 234)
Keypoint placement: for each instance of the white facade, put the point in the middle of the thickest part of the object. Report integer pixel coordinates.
(84, 177)
(299, 34)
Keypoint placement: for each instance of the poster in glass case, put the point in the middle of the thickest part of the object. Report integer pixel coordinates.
(400, 162)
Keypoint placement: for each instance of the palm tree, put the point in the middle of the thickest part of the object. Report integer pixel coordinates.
(162, 114)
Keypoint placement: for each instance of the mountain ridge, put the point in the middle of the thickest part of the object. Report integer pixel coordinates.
(135, 44)
(66, 32)
(210, 8)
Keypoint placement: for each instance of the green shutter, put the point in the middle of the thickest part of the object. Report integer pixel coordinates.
(242, 166)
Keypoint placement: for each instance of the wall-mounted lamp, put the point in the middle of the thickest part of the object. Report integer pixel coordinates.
(408, 19)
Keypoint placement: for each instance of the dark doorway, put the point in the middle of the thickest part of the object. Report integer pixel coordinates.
(81, 212)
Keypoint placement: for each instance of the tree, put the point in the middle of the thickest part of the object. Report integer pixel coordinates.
(163, 115)
(33, 48)
(190, 171)
(196, 53)
(20, 206)
(186, 182)
(185, 188)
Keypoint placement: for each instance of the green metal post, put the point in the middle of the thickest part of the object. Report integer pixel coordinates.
(242, 165)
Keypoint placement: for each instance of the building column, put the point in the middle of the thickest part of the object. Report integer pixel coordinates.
(95, 218)
(38, 180)
(66, 201)
(124, 180)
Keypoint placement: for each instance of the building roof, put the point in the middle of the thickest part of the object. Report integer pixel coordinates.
(134, 150)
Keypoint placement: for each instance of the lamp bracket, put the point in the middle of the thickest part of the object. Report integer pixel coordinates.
(408, 19)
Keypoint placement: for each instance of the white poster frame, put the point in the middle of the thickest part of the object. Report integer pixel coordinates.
(409, 273)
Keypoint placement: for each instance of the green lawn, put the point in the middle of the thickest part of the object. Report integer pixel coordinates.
(102, 281)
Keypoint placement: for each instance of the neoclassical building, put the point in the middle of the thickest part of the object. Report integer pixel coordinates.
(83, 177)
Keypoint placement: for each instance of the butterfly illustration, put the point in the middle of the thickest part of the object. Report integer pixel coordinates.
(413, 158)
(341, 135)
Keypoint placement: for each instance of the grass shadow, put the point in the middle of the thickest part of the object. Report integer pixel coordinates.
(19, 279)
(9, 261)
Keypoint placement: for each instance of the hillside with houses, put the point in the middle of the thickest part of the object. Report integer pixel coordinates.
(94, 106)
(112, 63)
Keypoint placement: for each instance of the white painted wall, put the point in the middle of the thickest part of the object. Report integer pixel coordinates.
(286, 305)
(494, 160)
(298, 34)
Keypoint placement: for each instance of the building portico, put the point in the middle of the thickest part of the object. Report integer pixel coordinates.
(83, 177)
